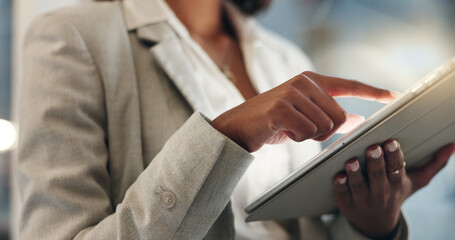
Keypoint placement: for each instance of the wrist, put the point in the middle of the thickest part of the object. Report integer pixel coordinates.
(378, 228)
(391, 235)
(229, 132)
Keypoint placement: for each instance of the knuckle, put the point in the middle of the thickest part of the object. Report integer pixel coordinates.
(298, 81)
(399, 182)
(341, 117)
(387, 195)
(326, 126)
(278, 105)
(295, 81)
(311, 130)
(275, 123)
(290, 92)
(378, 173)
(398, 165)
(394, 166)
(356, 186)
(307, 73)
(277, 118)
(304, 78)
(383, 201)
(397, 195)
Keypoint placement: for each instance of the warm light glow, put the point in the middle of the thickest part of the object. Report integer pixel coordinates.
(8, 135)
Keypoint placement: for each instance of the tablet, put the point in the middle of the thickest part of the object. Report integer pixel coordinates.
(422, 120)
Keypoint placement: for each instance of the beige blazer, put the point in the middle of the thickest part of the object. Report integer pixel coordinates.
(109, 146)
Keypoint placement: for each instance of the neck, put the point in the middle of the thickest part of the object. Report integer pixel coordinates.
(201, 17)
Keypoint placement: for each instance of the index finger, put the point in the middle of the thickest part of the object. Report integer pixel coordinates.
(339, 87)
(352, 88)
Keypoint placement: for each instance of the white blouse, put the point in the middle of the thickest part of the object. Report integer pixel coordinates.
(263, 54)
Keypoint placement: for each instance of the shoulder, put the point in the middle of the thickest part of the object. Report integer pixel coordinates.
(89, 36)
(86, 14)
(98, 29)
(86, 19)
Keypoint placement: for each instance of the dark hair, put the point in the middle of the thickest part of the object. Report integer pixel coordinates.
(249, 7)
(252, 7)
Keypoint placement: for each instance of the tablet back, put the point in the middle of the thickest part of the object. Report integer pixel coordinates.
(422, 121)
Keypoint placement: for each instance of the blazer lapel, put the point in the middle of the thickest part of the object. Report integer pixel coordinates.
(169, 54)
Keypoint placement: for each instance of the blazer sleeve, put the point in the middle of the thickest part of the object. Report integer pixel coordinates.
(62, 168)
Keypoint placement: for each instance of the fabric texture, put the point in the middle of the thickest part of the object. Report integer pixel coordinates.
(80, 167)
(112, 145)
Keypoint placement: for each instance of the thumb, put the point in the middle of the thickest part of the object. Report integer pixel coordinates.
(421, 176)
(352, 122)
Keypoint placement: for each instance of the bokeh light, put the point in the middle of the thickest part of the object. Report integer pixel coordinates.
(8, 135)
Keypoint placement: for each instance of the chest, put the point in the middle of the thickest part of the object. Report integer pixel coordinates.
(227, 55)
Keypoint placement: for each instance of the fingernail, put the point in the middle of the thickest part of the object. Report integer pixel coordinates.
(341, 180)
(392, 146)
(375, 153)
(354, 166)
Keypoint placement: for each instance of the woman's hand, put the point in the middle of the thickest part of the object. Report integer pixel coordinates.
(301, 108)
(372, 202)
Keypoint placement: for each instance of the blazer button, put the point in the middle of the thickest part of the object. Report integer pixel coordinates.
(168, 199)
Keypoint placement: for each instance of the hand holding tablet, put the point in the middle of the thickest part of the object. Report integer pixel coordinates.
(371, 198)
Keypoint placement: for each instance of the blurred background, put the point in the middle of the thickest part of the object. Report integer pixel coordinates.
(386, 43)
